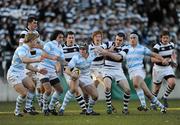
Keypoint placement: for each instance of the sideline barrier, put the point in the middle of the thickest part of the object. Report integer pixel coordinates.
(7, 93)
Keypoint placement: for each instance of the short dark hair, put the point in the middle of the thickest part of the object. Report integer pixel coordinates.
(164, 33)
(121, 34)
(70, 33)
(55, 34)
(31, 18)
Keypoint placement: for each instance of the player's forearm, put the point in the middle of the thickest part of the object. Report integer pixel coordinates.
(47, 56)
(68, 71)
(114, 56)
(157, 57)
(155, 60)
(30, 67)
(29, 60)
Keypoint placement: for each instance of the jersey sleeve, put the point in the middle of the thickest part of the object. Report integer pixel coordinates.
(72, 62)
(156, 48)
(147, 51)
(105, 45)
(22, 52)
(61, 55)
(47, 47)
(124, 51)
(22, 36)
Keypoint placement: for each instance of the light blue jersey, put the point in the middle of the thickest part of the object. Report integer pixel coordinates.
(17, 64)
(53, 48)
(81, 63)
(37, 54)
(135, 57)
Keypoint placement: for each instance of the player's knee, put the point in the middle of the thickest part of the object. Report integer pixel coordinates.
(108, 89)
(172, 85)
(77, 93)
(171, 82)
(127, 91)
(31, 88)
(73, 90)
(96, 83)
(48, 91)
(136, 85)
(59, 90)
(23, 94)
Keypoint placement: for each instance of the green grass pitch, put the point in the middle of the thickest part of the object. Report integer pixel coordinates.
(72, 116)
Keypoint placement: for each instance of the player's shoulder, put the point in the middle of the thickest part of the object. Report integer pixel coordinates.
(91, 45)
(48, 43)
(107, 44)
(23, 33)
(22, 48)
(171, 43)
(157, 45)
(141, 47)
(35, 31)
(76, 56)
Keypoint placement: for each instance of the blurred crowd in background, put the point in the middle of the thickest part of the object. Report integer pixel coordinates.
(147, 17)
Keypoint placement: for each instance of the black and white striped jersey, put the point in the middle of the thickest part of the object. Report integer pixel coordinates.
(120, 50)
(164, 50)
(99, 60)
(70, 51)
(23, 34)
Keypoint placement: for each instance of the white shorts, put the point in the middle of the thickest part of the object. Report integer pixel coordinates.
(96, 72)
(15, 78)
(160, 72)
(50, 75)
(116, 74)
(138, 72)
(85, 80)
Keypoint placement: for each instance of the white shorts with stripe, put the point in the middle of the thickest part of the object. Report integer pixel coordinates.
(96, 72)
(51, 73)
(138, 72)
(85, 80)
(116, 74)
(15, 78)
(159, 72)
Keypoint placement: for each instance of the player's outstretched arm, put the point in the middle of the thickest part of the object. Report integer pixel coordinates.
(158, 58)
(110, 54)
(42, 71)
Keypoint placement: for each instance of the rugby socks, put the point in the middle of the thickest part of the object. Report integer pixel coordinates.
(126, 99)
(140, 94)
(155, 94)
(108, 99)
(86, 98)
(168, 91)
(157, 102)
(67, 98)
(19, 102)
(38, 96)
(91, 104)
(81, 102)
(45, 101)
(54, 98)
(29, 99)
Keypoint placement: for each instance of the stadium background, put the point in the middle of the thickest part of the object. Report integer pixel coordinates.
(147, 17)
